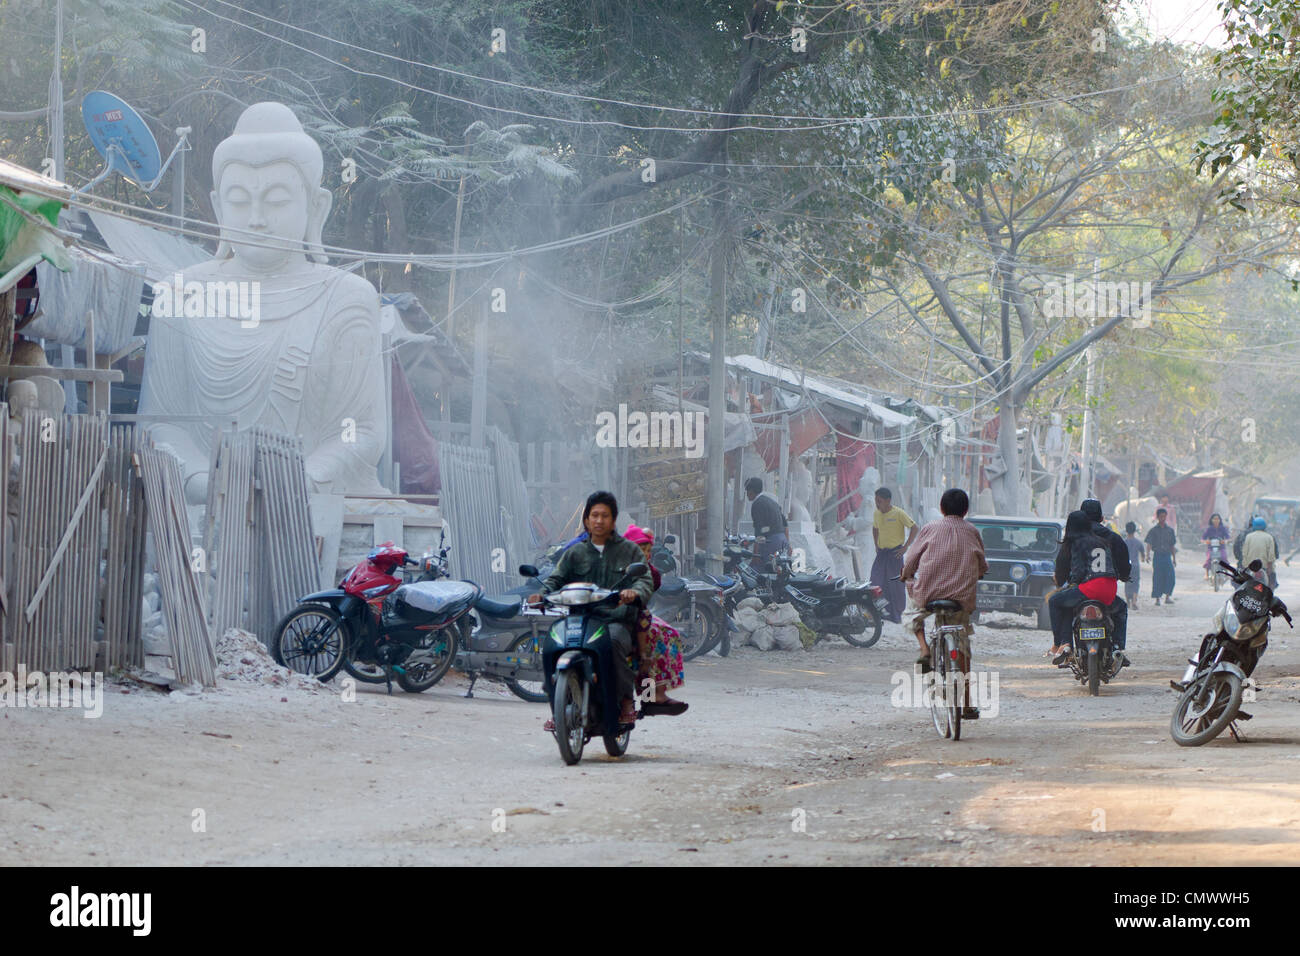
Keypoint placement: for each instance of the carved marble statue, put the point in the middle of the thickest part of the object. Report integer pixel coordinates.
(801, 492)
(306, 359)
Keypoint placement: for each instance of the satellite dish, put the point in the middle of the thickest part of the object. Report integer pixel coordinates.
(122, 137)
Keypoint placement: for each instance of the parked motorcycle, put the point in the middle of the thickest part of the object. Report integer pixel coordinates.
(1093, 659)
(693, 604)
(584, 703)
(502, 641)
(376, 626)
(1211, 689)
(831, 605)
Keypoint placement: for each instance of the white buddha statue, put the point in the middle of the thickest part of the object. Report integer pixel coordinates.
(306, 358)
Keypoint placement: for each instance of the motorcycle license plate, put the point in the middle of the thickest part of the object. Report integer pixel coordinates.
(1092, 634)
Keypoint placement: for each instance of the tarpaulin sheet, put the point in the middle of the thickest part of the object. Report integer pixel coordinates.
(111, 290)
(414, 448)
(806, 428)
(161, 254)
(852, 458)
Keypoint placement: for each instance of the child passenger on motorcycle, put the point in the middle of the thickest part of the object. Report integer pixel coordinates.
(658, 643)
(1085, 570)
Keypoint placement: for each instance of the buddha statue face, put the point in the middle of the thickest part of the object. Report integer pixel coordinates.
(268, 196)
(264, 212)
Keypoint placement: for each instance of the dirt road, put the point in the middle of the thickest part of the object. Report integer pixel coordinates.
(798, 757)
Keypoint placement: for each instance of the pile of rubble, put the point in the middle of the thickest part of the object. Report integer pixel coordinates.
(241, 657)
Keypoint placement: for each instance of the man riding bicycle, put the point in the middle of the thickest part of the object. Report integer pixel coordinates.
(946, 562)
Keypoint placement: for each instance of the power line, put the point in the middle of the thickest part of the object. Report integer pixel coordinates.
(817, 122)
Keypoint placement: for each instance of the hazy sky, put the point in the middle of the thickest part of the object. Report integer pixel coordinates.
(1185, 21)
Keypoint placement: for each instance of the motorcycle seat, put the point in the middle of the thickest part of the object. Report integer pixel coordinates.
(718, 580)
(673, 585)
(942, 605)
(506, 608)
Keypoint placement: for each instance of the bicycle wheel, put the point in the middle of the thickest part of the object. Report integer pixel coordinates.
(937, 690)
(954, 692)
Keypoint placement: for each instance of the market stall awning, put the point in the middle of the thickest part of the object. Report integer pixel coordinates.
(29, 211)
(842, 394)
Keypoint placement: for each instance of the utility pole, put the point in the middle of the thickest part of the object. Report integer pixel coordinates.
(716, 487)
(66, 352)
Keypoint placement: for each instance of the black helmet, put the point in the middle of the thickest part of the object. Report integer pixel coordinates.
(1092, 508)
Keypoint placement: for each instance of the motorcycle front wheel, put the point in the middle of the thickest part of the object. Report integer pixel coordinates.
(616, 744)
(1200, 717)
(529, 651)
(312, 639)
(437, 651)
(871, 616)
(570, 729)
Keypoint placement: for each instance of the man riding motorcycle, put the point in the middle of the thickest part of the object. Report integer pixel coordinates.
(603, 559)
(1086, 571)
(1123, 571)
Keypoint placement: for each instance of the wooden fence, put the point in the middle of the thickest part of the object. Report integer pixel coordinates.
(258, 533)
(89, 498)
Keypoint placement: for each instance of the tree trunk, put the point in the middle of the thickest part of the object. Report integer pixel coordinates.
(1006, 486)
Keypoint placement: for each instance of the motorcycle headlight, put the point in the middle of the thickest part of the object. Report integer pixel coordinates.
(1019, 572)
(1231, 625)
(1251, 629)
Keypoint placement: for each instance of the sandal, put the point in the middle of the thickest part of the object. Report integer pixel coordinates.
(924, 663)
(1062, 657)
(549, 726)
(669, 707)
(970, 713)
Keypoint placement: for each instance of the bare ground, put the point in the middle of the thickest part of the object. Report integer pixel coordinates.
(772, 739)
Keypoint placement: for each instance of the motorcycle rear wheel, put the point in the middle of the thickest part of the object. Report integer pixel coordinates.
(533, 691)
(570, 729)
(415, 678)
(306, 625)
(1193, 725)
(1094, 674)
(366, 672)
(871, 634)
(698, 634)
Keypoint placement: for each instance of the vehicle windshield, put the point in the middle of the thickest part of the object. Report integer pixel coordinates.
(1035, 539)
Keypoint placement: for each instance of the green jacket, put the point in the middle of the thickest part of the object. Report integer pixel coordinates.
(583, 562)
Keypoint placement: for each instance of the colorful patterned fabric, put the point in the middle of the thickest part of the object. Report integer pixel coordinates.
(664, 645)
